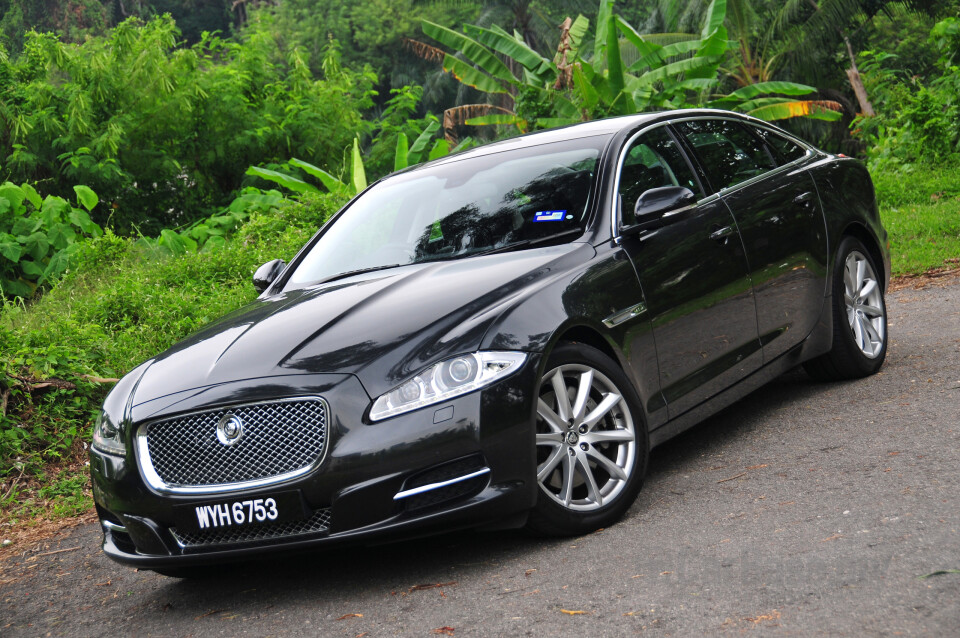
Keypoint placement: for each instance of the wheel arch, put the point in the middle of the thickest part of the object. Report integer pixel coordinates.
(588, 336)
(591, 336)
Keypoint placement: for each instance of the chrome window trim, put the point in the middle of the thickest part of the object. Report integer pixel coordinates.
(615, 212)
(157, 484)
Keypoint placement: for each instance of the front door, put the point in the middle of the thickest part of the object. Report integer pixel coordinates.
(694, 276)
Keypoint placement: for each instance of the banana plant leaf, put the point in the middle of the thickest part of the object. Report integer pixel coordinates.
(471, 49)
(813, 109)
(400, 157)
(505, 44)
(681, 66)
(470, 76)
(420, 144)
(766, 88)
(716, 14)
(331, 183)
(358, 176)
(287, 181)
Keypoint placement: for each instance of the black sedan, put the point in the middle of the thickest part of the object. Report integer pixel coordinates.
(497, 339)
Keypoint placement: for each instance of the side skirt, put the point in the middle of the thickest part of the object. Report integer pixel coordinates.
(818, 342)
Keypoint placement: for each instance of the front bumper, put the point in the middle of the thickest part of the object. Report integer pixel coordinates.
(472, 466)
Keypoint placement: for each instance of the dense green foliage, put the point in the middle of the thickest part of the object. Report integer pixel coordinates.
(918, 120)
(164, 134)
(38, 236)
(618, 71)
(75, 20)
(123, 303)
(132, 146)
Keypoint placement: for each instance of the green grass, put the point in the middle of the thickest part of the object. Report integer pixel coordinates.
(921, 212)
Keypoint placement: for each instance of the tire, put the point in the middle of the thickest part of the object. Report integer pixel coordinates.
(592, 448)
(859, 318)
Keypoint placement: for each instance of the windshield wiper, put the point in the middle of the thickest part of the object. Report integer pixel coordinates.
(530, 242)
(358, 271)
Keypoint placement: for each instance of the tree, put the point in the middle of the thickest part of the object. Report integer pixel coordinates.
(73, 19)
(829, 24)
(175, 149)
(591, 79)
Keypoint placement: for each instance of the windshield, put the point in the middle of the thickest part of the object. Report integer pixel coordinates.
(459, 209)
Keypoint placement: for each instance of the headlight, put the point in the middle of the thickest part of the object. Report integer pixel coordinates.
(106, 435)
(446, 380)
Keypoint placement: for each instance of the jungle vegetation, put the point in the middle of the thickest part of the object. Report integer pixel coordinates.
(154, 152)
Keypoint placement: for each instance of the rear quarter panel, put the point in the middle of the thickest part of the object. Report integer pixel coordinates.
(850, 207)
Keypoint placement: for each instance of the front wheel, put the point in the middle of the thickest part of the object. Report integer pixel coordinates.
(859, 318)
(591, 443)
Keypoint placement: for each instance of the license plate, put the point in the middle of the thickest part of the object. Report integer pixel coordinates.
(240, 512)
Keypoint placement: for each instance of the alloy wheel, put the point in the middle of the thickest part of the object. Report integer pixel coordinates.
(864, 302)
(586, 438)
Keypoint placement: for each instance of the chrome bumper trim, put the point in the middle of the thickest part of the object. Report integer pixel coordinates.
(113, 527)
(434, 486)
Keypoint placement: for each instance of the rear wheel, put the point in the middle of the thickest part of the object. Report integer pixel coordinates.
(859, 318)
(591, 443)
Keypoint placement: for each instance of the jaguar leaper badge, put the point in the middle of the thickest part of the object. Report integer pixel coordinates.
(230, 429)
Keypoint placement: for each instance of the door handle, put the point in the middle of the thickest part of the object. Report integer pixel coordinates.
(722, 233)
(803, 197)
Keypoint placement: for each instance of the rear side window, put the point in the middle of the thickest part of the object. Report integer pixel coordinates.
(728, 153)
(785, 150)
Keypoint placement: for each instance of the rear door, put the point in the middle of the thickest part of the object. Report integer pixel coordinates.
(776, 206)
(694, 277)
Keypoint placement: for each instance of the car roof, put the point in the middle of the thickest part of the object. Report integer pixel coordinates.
(594, 128)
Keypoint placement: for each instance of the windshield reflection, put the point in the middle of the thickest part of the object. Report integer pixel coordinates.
(458, 209)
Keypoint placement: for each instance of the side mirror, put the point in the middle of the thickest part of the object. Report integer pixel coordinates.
(655, 203)
(267, 274)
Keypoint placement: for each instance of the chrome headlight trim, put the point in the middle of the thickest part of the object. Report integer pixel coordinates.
(107, 436)
(446, 380)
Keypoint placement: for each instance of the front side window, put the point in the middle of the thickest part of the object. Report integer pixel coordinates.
(728, 152)
(652, 161)
(458, 209)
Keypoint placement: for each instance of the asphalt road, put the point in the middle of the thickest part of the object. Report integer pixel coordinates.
(806, 509)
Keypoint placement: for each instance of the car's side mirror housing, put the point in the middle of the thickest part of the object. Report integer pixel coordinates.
(267, 274)
(655, 203)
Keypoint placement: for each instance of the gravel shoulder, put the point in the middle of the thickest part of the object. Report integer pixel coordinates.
(806, 509)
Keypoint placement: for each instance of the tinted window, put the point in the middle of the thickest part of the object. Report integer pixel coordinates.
(459, 208)
(652, 161)
(728, 152)
(785, 150)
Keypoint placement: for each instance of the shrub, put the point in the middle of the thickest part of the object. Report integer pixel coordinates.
(38, 237)
(123, 302)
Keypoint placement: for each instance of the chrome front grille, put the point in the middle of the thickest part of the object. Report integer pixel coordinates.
(316, 524)
(278, 440)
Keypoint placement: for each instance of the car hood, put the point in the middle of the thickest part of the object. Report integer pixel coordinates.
(382, 326)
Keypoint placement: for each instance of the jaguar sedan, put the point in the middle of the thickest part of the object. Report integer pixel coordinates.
(497, 339)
